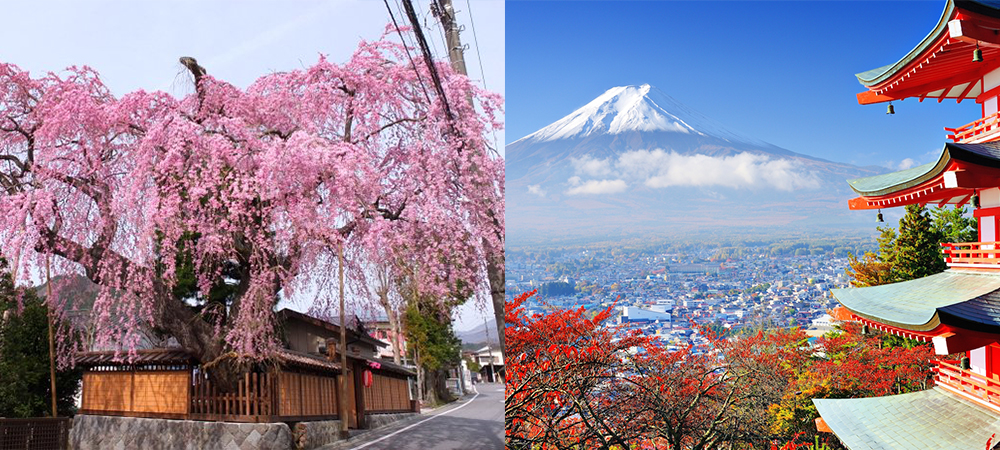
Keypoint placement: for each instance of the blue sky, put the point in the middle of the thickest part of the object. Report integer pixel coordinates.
(782, 72)
(135, 45)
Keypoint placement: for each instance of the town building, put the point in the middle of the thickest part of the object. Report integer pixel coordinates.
(490, 360)
(957, 310)
(298, 386)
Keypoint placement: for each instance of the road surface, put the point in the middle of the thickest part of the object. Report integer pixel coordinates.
(475, 422)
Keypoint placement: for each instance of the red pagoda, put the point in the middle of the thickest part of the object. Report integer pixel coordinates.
(957, 310)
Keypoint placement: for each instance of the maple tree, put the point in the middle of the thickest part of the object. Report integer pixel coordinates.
(250, 189)
(578, 382)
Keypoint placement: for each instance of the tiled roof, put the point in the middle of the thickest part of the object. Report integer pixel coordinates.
(305, 360)
(388, 366)
(914, 304)
(932, 419)
(174, 355)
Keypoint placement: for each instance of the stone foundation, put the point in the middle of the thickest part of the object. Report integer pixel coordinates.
(381, 420)
(119, 433)
(310, 435)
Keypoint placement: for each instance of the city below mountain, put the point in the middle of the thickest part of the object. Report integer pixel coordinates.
(635, 160)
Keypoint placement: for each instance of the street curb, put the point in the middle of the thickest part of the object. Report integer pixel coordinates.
(365, 436)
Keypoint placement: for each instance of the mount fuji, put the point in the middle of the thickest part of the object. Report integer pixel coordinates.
(636, 160)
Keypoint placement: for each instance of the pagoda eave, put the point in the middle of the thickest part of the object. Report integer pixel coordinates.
(960, 171)
(947, 339)
(941, 66)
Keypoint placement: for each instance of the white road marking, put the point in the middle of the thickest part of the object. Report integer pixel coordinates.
(422, 421)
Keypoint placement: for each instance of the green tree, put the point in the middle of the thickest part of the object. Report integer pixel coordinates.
(913, 252)
(918, 246)
(954, 226)
(437, 349)
(24, 356)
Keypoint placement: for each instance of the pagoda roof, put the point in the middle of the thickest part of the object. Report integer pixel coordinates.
(961, 298)
(979, 164)
(933, 419)
(941, 65)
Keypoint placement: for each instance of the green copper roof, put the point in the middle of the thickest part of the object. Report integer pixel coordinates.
(932, 419)
(876, 76)
(984, 154)
(984, 7)
(914, 304)
(894, 180)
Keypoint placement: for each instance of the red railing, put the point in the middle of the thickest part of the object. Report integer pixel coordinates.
(972, 254)
(969, 382)
(979, 130)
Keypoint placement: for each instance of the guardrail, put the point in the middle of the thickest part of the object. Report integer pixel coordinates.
(967, 381)
(972, 254)
(976, 131)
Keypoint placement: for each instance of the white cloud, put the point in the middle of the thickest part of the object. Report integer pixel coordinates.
(906, 164)
(658, 169)
(536, 189)
(590, 166)
(595, 186)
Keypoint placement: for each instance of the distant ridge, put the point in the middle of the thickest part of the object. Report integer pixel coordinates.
(635, 159)
(477, 334)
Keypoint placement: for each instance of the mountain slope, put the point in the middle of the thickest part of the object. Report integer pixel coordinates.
(633, 108)
(636, 159)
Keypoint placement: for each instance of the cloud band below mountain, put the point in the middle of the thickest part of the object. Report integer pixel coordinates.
(578, 186)
(660, 169)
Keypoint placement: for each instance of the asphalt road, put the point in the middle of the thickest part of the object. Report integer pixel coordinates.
(476, 422)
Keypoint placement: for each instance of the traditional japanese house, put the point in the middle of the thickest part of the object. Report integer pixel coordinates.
(301, 386)
(957, 310)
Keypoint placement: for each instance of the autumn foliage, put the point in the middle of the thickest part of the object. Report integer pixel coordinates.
(577, 382)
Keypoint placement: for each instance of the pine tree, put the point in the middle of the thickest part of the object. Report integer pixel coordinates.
(954, 226)
(913, 252)
(917, 248)
(24, 356)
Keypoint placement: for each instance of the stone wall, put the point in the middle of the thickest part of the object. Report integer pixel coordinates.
(381, 420)
(309, 435)
(114, 433)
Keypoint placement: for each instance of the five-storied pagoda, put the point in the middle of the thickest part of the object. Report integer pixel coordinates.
(957, 310)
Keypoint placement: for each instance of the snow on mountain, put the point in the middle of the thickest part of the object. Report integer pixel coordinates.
(636, 159)
(634, 108)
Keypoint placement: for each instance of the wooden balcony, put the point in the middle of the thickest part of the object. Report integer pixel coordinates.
(971, 383)
(984, 255)
(981, 130)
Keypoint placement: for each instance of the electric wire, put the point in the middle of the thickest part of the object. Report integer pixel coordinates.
(407, 48)
(482, 72)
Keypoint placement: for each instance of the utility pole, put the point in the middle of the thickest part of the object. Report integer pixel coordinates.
(445, 12)
(52, 346)
(489, 347)
(342, 385)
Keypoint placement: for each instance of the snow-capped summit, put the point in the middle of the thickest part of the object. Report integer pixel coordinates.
(634, 108)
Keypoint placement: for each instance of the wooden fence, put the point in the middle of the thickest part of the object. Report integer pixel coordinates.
(185, 392)
(387, 394)
(253, 399)
(153, 393)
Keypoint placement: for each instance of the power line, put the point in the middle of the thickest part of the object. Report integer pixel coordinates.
(439, 35)
(482, 72)
(407, 48)
(475, 40)
(428, 57)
